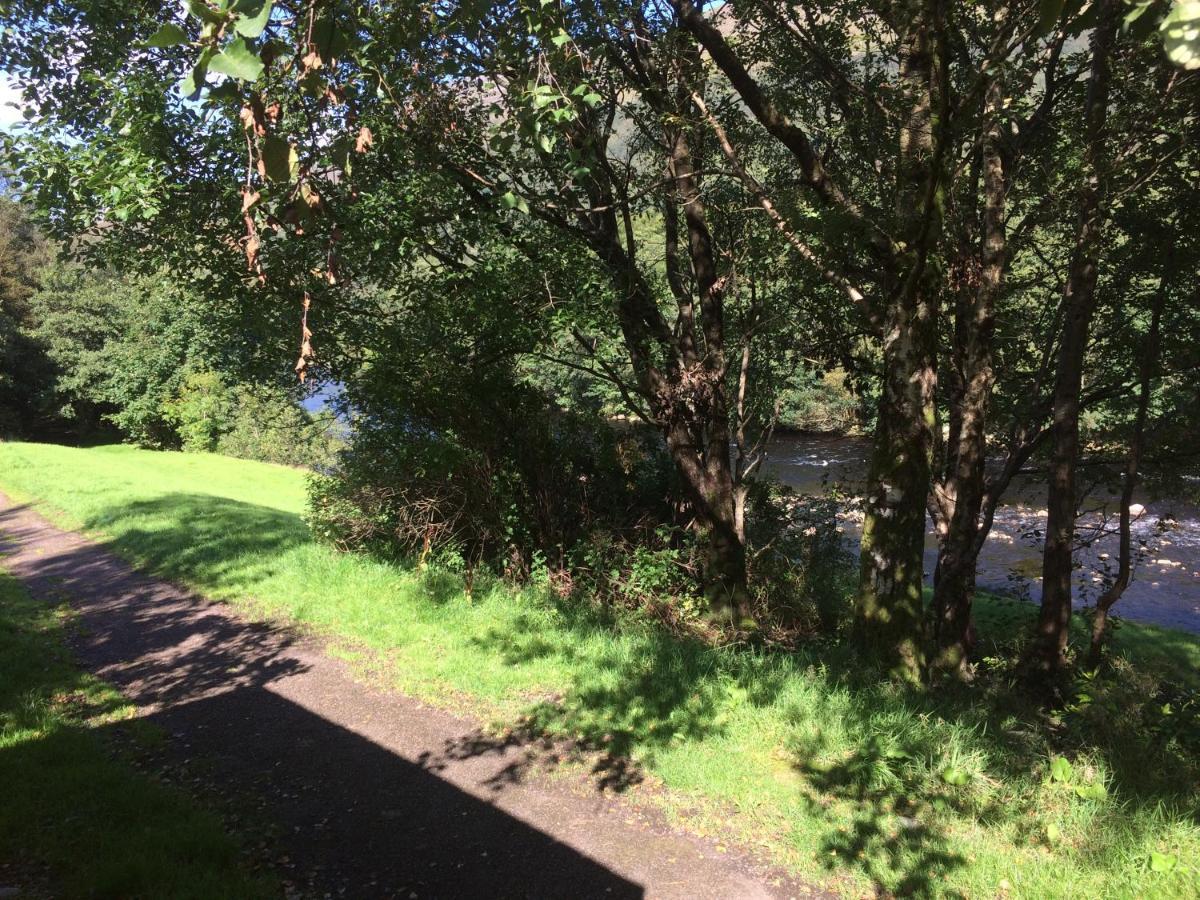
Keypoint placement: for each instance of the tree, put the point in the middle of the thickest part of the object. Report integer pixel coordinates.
(587, 129)
(886, 179)
(27, 407)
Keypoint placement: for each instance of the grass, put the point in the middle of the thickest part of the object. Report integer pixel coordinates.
(69, 805)
(859, 784)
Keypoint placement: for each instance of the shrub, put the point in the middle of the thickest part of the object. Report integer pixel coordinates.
(801, 573)
(654, 569)
(249, 421)
(200, 412)
(814, 402)
(504, 477)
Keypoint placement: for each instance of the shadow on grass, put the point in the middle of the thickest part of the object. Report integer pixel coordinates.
(214, 542)
(640, 692)
(892, 775)
(872, 764)
(355, 818)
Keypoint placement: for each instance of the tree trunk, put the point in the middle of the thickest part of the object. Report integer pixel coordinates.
(889, 609)
(687, 395)
(726, 581)
(1079, 302)
(1136, 444)
(959, 500)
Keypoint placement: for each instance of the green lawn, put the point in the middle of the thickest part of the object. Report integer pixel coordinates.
(67, 803)
(845, 780)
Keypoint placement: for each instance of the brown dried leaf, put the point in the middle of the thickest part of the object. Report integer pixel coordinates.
(253, 117)
(249, 198)
(365, 140)
(252, 245)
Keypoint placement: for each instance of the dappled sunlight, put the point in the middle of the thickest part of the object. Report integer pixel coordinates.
(878, 785)
(217, 543)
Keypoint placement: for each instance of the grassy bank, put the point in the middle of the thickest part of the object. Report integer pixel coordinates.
(75, 819)
(844, 779)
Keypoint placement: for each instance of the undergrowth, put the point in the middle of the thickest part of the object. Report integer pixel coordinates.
(963, 791)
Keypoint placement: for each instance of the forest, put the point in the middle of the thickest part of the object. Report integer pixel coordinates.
(535, 293)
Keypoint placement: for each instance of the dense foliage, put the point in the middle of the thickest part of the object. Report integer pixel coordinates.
(492, 224)
(90, 355)
(565, 268)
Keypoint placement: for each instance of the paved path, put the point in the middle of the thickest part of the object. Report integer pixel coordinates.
(372, 794)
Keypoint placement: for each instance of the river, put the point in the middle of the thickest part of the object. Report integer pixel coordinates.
(1166, 580)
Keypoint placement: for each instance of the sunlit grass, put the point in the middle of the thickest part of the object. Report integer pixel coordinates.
(840, 777)
(67, 803)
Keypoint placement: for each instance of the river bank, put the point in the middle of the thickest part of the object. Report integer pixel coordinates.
(1166, 584)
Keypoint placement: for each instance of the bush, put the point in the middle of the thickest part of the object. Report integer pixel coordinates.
(801, 573)
(815, 402)
(503, 478)
(259, 422)
(653, 569)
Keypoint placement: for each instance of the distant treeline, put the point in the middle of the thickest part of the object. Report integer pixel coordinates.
(90, 355)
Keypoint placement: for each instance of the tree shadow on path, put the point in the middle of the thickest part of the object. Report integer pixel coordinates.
(351, 815)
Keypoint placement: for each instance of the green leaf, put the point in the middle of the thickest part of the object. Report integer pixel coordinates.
(1096, 791)
(251, 21)
(1137, 23)
(1139, 10)
(1051, 10)
(509, 200)
(1061, 769)
(226, 91)
(1053, 833)
(330, 41)
(1181, 33)
(277, 157)
(956, 777)
(561, 38)
(195, 79)
(169, 35)
(204, 12)
(592, 98)
(1163, 862)
(237, 60)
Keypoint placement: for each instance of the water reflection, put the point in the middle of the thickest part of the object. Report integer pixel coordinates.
(1166, 583)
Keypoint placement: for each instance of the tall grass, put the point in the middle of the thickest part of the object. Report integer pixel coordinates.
(864, 785)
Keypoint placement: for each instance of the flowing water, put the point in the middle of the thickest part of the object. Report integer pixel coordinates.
(1166, 580)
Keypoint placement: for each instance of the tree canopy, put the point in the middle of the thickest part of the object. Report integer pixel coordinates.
(979, 218)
